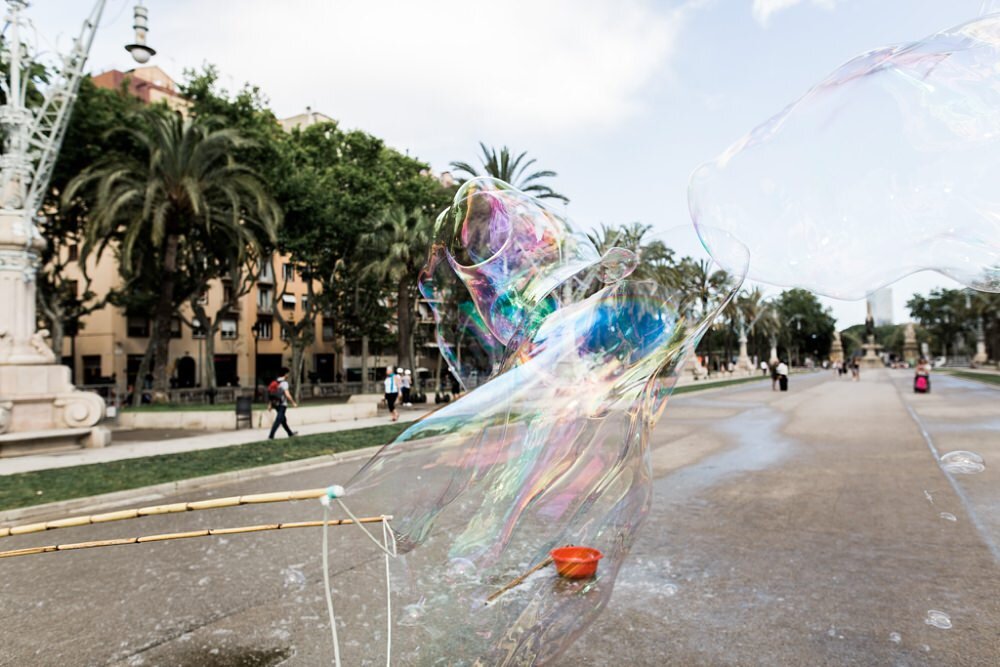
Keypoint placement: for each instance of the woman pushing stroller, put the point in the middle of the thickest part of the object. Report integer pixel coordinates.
(922, 377)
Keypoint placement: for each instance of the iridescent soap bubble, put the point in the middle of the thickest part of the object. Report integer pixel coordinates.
(962, 462)
(552, 450)
(887, 167)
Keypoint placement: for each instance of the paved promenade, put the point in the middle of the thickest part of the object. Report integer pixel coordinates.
(809, 528)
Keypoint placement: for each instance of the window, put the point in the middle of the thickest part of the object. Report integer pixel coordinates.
(288, 301)
(74, 253)
(227, 293)
(265, 300)
(197, 331)
(175, 327)
(91, 369)
(227, 329)
(284, 330)
(138, 326)
(288, 271)
(203, 298)
(328, 332)
(305, 303)
(265, 328)
(73, 288)
(266, 274)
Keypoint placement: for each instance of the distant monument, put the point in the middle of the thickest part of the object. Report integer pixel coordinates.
(836, 349)
(911, 351)
(871, 348)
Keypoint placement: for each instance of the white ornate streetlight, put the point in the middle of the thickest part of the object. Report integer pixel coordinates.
(38, 403)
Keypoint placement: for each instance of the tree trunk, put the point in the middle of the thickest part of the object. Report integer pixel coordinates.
(298, 361)
(403, 324)
(163, 314)
(364, 364)
(140, 375)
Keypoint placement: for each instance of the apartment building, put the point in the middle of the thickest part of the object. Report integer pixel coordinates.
(249, 345)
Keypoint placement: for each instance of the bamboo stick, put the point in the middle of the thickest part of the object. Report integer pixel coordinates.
(206, 532)
(172, 508)
(516, 582)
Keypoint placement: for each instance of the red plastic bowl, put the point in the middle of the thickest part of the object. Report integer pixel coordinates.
(576, 562)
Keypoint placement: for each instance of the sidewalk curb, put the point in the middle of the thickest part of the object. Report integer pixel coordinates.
(89, 504)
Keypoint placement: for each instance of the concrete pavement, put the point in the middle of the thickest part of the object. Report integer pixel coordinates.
(804, 528)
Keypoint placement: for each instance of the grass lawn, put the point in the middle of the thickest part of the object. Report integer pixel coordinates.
(988, 378)
(45, 486)
(712, 385)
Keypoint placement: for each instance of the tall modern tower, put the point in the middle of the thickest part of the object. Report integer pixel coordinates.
(881, 302)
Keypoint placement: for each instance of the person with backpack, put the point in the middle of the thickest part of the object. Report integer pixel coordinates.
(279, 398)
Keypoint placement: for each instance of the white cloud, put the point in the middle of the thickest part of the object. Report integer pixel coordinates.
(763, 9)
(409, 70)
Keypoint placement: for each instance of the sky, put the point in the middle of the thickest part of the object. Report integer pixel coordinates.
(622, 98)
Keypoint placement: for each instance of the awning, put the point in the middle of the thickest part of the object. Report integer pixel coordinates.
(288, 298)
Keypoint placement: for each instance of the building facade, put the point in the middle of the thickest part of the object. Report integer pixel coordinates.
(249, 345)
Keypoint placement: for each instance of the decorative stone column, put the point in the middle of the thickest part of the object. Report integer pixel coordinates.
(40, 409)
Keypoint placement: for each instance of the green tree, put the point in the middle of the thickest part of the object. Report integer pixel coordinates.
(400, 240)
(807, 327)
(63, 301)
(512, 169)
(167, 210)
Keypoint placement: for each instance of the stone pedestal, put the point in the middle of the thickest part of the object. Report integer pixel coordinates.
(911, 351)
(871, 358)
(981, 357)
(40, 409)
(743, 362)
(836, 348)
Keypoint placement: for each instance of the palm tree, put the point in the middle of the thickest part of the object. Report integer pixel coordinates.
(511, 170)
(169, 208)
(400, 240)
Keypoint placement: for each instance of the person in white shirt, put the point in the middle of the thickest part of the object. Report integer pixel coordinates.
(782, 371)
(405, 382)
(391, 391)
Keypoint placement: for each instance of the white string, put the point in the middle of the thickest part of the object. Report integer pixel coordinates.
(365, 530)
(386, 536)
(326, 584)
(387, 540)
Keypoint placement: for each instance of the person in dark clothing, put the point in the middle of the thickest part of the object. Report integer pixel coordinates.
(280, 400)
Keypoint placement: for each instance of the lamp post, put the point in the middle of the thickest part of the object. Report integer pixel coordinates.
(32, 139)
(256, 337)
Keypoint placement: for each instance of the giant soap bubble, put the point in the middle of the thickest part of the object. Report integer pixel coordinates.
(552, 450)
(889, 166)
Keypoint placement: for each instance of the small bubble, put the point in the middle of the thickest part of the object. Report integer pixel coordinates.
(938, 619)
(895, 637)
(928, 496)
(948, 516)
(962, 462)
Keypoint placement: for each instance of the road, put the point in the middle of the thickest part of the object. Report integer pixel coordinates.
(809, 528)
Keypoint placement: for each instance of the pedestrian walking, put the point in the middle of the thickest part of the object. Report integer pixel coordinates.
(763, 368)
(391, 391)
(855, 370)
(279, 398)
(782, 371)
(774, 376)
(405, 382)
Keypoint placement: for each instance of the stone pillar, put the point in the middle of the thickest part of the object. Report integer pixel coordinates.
(19, 249)
(40, 409)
